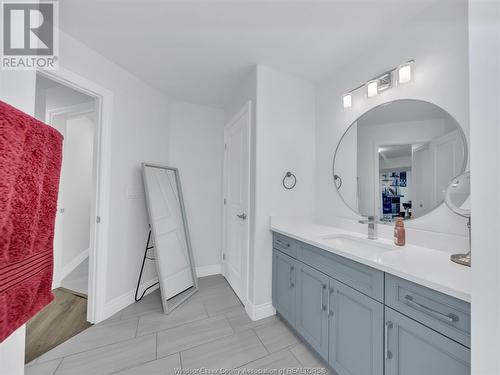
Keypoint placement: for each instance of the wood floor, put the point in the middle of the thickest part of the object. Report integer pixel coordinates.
(63, 318)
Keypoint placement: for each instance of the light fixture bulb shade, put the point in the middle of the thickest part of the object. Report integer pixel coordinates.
(372, 88)
(347, 100)
(405, 73)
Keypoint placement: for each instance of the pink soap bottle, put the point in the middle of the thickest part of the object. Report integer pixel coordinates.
(399, 232)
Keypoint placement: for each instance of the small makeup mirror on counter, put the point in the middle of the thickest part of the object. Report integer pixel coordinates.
(457, 198)
(397, 159)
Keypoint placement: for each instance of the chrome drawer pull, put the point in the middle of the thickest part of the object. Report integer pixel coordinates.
(388, 326)
(330, 299)
(323, 290)
(450, 318)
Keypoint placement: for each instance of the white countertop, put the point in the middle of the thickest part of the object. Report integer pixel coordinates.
(428, 267)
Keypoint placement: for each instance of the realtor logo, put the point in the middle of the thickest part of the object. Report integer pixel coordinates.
(29, 35)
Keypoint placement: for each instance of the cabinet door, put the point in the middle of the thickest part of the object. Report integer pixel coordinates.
(284, 285)
(312, 308)
(356, 332)
(413, 349)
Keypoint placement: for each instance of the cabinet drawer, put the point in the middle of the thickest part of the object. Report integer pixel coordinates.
(445, 314)
(285, 244)
(358, 276)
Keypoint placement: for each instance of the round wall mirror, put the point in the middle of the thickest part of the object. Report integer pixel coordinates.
(397, 159)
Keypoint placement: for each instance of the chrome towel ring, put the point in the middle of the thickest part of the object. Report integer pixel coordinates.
(289, 186)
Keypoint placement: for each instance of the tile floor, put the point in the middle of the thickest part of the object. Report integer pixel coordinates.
(78, 279)
(210, 330)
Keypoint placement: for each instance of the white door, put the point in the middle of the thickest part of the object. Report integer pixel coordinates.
(236, 201)
(422, 176)
(174, 269)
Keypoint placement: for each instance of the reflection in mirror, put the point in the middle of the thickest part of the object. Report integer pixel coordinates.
(397, 159)
(173, 254)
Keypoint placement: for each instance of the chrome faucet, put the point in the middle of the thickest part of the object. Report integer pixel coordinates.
(372, 227)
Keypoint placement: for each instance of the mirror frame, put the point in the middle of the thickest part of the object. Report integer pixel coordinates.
(462, 169)
(183, 295)
(457, 210)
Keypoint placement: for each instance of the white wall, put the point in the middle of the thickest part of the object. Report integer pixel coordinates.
(17, 88)
(437, 40)
(139, 133)
(484, 37)
(285, 123)
(196, 148)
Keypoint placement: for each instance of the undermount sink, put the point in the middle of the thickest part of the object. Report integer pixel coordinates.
(343, 241)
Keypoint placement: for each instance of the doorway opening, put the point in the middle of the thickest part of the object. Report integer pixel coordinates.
(75, 115)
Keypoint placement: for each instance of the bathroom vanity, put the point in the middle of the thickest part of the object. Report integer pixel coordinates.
(369, 307)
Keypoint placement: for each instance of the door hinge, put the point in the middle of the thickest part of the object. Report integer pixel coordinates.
(223, 256)
(98, 219)
(225, 201)
(225, 146)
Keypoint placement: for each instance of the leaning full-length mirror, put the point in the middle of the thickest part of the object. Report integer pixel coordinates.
(173, 253)
(397, 159)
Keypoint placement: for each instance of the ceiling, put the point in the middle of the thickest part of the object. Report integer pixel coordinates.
(402, 111)
(198, 51)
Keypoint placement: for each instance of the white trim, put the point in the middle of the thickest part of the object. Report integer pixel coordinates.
(99, 232)
(246, 108)
(70, 111)
(214, 269)
(67, 269)
(257, 312)
(119, 303)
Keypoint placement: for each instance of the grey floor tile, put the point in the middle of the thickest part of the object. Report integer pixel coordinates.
(162, 366)
(240, 322)
(110, 358)
(279, 360)
(150, 303)
(213, 281)
(93, 337)
(228, 352)
(47, 368)
(221, 303)
(276, 336)
(189, 335)
(159, 321)
(307, 358)
(78, 279)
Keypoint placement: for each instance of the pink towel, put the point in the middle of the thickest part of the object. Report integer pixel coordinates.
(30, 164)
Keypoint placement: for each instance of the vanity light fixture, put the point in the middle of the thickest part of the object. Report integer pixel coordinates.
(382, 82)
(372, 88)
(405, 73)
(347, 100)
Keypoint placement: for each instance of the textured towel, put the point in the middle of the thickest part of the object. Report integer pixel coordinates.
(30, 164)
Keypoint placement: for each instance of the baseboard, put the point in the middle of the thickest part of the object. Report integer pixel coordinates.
(119, 303)
(257, 312)
(213, 269)
(70, 267)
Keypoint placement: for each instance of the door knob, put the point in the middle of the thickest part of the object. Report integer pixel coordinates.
(242, 216)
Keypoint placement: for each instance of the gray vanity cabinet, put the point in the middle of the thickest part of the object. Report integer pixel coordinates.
(284, 268)
(311, 313)
(413, 349)
(364, 322)
(356, 332)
